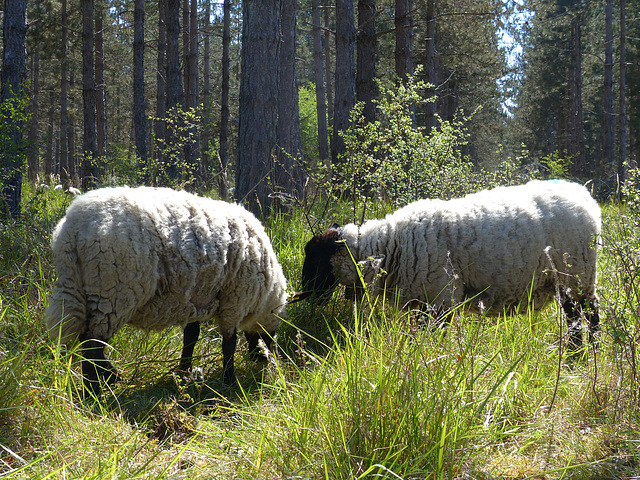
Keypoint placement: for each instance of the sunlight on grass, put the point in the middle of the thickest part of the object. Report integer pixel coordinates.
(364, 391)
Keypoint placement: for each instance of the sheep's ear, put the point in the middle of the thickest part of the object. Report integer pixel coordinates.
(335, 226)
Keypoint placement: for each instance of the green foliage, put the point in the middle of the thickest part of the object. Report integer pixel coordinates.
(182, 128)
(308, 122)
(556, 165)
(393, 159)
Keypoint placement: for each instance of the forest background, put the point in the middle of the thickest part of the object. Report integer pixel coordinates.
(210, 96)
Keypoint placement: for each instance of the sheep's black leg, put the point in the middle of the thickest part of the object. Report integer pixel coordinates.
(574, 322)
(228, 350)
(252, 340)
(191, 335)
(593, 317)
(96, 367)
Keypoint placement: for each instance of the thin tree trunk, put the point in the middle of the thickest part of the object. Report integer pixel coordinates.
(161, 89)
(139, 99)
(288, 169)
(12, 77)
(345, 75)
(327, 68)
(194, 144)
(366, 88)
(101, 100)
(404, 34)
(33, 153)
(623, 92)
(90, 142)
(609, 132)
(175, 91)
(48, 158)
(576, 146)
(224, 101)
(321, 94)
(205, 162)
(258, 102)
(64, 168)
(430, 61)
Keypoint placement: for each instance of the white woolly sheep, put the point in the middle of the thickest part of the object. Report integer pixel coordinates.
(154, 258)
(488, 248)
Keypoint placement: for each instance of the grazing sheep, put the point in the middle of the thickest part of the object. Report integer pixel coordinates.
(489, 248)
(154, 258)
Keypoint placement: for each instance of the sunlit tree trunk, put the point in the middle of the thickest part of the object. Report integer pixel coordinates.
(258, 102)
(366, 88)
(33, 153)
(321, 93)
(90, 142)
(139, 99)
(345, 75)
(224, 101)
(12, 77)
(609, 132)
(288, 168)
(623, 93)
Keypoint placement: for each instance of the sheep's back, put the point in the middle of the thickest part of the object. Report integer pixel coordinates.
(491, 243)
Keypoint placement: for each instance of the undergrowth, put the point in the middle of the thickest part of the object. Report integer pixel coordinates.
(350, 391)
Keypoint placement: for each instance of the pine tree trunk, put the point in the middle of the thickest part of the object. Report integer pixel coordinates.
(139, 99)
(90, 142)
(12, 77)
(327, 67)
(64, 167)
(321, 94)
(258, 102)
(623, 92)
(224, 101)
(366, 88)
(175, 91)
(345, 75)
(33, 153)
(430, 62)
(101, 101)
(404, 48)
(576, 145)
(609, 132)
(161, 89)
(205, 162)
(288, 168)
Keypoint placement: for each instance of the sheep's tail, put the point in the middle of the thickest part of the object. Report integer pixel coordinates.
(65, 317)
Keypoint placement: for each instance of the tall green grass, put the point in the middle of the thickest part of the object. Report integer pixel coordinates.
(362, 391)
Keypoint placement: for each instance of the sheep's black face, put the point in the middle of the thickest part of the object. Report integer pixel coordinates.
(317, 272)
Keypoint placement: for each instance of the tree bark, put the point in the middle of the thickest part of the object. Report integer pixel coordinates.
(161, 89)
(321, 93)
(90, 142)
(366, 88)
(65, 166)
(609, 132)
(327, 67)
(12, 77)
(404, 33)
(288, 168)
(623, 93)
(175, 91)
(258, 101)
(430, 61)
(224, 101)
(576, 145)
(345, 75)
(205, 162)
(33, 153)
(139, 99)
(101, 101)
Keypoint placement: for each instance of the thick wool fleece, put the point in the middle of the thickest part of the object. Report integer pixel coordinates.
(154, 258)
(488, 246)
